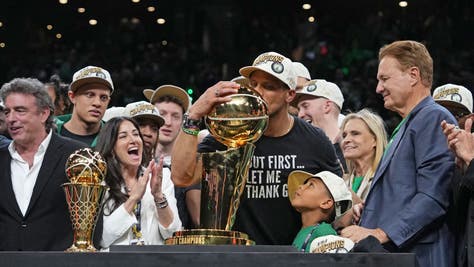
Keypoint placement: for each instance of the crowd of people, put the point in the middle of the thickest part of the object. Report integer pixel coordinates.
(208, 46)
(316, 171)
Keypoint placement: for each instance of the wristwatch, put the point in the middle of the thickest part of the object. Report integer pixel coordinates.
(162, 203)
(189, 123)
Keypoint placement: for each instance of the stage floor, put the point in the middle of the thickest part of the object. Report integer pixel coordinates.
(196, 256)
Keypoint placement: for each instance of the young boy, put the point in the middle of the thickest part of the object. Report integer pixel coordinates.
(320, 198)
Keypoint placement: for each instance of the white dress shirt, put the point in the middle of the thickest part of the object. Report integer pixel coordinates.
(23, 177)
(118, 225)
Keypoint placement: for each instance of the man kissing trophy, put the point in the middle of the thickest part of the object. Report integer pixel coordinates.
(236, 124)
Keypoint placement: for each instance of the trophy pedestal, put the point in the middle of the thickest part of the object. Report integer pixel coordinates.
(84, 203)
(74, 248)
(209, 237)
(224, 174)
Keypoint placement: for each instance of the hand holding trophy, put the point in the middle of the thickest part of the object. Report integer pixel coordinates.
(86, 170)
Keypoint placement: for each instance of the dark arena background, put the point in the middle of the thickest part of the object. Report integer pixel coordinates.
(194, 44)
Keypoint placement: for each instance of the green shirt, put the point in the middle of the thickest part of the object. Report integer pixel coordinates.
(59, 121)
(356, 183)
(394, 133)
(306, 235)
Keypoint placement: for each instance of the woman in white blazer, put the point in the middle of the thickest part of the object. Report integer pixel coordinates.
(140, 207)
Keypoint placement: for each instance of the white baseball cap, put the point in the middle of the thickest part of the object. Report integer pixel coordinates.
(321, 88)
(274, 64)
(91, 74)
(172, 90)
(301, 70)
(456, 98)
(113, 112)
(335, 184)
(331, 244)
(144, 110)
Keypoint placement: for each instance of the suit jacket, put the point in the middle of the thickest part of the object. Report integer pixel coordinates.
(410, 192)
(4, 142)
(46, 224)
(462, 216)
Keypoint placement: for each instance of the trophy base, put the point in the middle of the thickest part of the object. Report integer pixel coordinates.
(209, 237)
(74, 248)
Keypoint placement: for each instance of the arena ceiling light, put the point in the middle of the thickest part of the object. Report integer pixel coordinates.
(306, 6)
(403, 3)
(63, 2)
(135, 20)
(161, 21)
(92, 22)
(81, 10)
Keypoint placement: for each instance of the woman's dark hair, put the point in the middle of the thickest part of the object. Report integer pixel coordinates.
(61, 90)
(55, 82)
(105, 146)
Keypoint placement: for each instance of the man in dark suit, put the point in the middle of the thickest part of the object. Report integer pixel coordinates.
(407, 204)
(33, 209)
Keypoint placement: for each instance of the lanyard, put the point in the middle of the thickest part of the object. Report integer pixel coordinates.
(308, 237)
(136, 228)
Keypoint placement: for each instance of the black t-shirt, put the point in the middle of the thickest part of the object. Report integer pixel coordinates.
(265, 212)
(340, 156)
(86, 139)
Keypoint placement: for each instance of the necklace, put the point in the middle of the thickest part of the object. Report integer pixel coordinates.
(128, 184)
(292, 121)
(127, 188)
(275, 129)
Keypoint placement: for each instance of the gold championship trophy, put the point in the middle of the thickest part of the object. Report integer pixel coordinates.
(236, 124)
(86, 170)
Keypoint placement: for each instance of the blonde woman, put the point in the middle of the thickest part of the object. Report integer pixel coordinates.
(363, 143)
